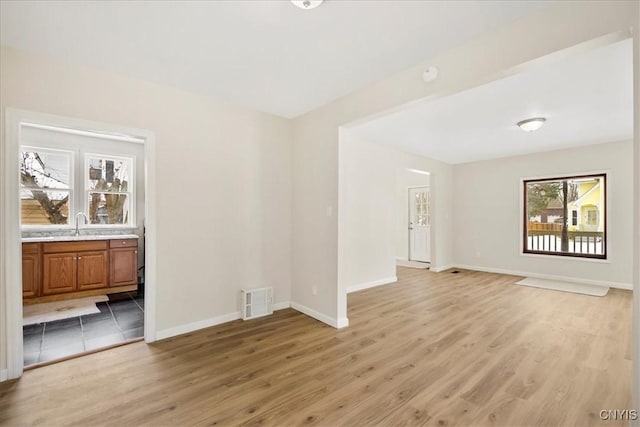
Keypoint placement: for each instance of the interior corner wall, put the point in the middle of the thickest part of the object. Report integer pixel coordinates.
(223, 180)
(488, 216)
(373, 197)
(316, 135)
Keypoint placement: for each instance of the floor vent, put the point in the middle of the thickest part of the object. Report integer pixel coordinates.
(256, 302)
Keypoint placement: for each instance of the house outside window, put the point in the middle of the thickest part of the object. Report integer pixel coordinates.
(46, 187)
(53, 189)
(582, 197)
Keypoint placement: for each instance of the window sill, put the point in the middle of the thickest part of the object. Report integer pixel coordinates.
(568, 258)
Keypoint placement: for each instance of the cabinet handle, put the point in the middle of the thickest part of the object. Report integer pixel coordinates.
(135, 252)
(79, 257)
(124, 243)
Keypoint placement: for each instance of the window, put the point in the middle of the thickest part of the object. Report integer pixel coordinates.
(51, 193)
(584, 234)
(46, 186)
(109, 184)
(422, 214)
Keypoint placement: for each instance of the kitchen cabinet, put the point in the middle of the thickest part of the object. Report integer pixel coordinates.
(93, 270)
(123, 262)
(81, 266)
(59, 273)
(30, 270)
(75, 266)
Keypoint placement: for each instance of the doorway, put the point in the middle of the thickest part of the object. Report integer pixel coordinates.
(12, 245)
(82, 230)
(420, 224)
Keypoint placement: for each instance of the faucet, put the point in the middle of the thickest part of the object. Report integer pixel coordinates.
(85, 221)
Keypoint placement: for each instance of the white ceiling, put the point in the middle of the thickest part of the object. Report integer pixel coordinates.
(268, 55)
(586, 98)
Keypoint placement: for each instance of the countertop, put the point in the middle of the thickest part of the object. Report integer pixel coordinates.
(71, 238)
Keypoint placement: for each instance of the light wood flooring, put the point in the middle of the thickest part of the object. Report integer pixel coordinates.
(443, 349)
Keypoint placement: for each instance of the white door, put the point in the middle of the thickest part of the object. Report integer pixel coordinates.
(419, 224)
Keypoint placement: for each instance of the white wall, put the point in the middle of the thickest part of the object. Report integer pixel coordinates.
(636, 214)
(223, 180)
(367, 214)
(406, 178)
(315, 137)
(487, 212)
(187, 126)
(373, 210)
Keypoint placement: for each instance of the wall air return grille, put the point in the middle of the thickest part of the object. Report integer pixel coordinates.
(256, 302)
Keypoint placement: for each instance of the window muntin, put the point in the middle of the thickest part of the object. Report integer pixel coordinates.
(109, 186)
(422, 212)
(582, 233)
(49, 183)
(46, 187)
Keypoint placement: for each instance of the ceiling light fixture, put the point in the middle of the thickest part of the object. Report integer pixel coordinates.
(531, 125)
(307, 4)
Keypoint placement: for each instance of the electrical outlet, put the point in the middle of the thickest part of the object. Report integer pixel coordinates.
(314, 290)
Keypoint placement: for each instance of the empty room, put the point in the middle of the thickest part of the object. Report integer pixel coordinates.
(320, 212)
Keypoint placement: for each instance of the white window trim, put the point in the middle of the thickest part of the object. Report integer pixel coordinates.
(72, 190)
(10, 255)
(131, 193)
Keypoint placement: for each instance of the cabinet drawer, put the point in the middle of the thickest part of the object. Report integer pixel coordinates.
(123, 243)
(83, 245)
(30, 248)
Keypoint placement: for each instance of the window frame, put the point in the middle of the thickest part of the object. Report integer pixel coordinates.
(573, 255)
(79, 187)
(131, 193)
(71, 190)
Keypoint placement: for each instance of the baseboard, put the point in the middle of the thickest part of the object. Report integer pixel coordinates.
(207, 323)
(336, 323)
(281, 305)
(616, 285)
(372, 284)
(412, 264)
(343, 322)
(442, 268)
(4, 374)
(194, 326)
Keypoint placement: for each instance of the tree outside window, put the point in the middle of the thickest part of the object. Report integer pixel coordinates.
(565, 216)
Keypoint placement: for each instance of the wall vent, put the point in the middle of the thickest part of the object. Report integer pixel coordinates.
(256, 302)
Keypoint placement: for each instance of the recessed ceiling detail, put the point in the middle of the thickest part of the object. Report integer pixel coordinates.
(586, 98)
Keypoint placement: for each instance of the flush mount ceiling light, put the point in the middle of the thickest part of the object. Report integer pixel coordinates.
(531, 125)
(307, 4)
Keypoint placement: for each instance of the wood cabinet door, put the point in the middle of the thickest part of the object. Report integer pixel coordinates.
(30, 274)
(59, 273)
(93, 270)
(124, 266)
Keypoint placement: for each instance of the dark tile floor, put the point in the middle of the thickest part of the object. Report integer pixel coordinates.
(120, 319)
